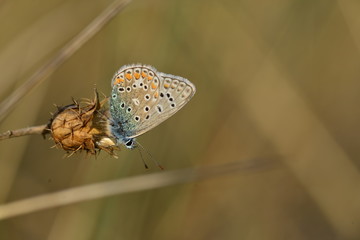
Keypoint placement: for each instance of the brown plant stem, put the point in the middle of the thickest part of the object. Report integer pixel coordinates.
(65, 53)
(22, 132)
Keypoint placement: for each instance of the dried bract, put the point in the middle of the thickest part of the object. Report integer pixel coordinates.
(83, 126)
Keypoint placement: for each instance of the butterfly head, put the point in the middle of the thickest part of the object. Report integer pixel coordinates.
(119, 134)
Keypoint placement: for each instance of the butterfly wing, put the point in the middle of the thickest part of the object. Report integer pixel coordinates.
(142, 98)
(173, 93)
(132, 87)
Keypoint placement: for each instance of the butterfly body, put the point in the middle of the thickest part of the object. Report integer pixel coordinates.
(142, 98)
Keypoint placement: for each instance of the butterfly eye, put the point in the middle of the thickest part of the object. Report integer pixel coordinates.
(130, 143)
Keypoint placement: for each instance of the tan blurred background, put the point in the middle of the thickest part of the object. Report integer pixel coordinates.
(276, 81)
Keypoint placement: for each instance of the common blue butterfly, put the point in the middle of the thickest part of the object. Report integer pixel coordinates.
(142, 98)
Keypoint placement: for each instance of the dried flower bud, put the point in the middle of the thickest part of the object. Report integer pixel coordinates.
(84, 126)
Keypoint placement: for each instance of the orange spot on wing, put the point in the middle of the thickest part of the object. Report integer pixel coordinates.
(143, 74)
(137, 75)
(128, 76)
(153, 86)
(166, 85)
(156, 95)
(119, 80)
(150, 78)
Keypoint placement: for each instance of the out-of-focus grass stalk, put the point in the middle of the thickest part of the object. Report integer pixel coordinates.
(314, 157)
(121, 186)
(350, 12)
(65, 53)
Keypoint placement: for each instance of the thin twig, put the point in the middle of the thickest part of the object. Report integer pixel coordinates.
(121, 186)
(22, 132)
(68, 50)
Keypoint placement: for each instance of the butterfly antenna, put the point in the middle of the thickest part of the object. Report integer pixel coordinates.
(143, 160)
(153, 159)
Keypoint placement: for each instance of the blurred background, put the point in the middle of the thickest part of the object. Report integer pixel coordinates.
(276, 81)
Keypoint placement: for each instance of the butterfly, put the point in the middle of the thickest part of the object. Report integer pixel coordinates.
(142, 98)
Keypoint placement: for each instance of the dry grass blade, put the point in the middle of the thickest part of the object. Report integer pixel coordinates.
(127, 185)
(64, 54)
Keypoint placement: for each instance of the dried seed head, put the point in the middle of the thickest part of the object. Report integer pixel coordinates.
(77, 127)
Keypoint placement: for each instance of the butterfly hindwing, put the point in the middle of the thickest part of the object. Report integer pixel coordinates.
(133, 86)
(173, 94)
